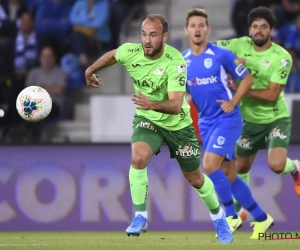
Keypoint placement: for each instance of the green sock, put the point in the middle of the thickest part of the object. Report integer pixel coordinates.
(290, 166)
(245, 178)
(138, 180)
(208, 195)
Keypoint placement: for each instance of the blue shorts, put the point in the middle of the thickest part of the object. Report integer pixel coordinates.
(221, 137)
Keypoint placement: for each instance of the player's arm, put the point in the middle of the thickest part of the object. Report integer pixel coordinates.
(104, 61)
(172, 106)
(243, 89)
(278, 80)
(108, 59)
(270, 94)
(176, 90)
(237, 70)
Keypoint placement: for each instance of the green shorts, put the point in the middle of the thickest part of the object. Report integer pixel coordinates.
(183, 144)
(262, 136)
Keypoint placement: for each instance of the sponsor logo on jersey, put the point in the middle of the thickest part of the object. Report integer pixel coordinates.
(159, 71)
(187, 151)
(225, 42)
(208, 63)
(181, 69)
(275, 133)
(202, 81)
(265, 63)
(221, 140)
(169, 56)
(146, 125)
(244, 143)
(134, 50)
(285, 62)
(143, 83)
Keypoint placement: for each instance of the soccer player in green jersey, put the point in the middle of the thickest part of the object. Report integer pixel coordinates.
(267, 121)
(158, 72)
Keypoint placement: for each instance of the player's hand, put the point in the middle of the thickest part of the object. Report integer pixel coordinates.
(141, 101)
(227, 106)
(231, 83)
(92, 80)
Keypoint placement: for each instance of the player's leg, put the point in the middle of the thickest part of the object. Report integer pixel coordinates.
(184, 146)
(242, 192)
(212, 163)
(219, 144)
(245, 153)
(278, 143)
(146, 141)
(250, 142)
(243, 167)
(220, 147)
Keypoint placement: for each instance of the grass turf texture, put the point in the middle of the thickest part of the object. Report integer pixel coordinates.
(149, 240)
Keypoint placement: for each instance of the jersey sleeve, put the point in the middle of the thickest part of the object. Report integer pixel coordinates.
(229, 44)
(122, 53)
(281, 69)
(233, 66)
(177, 76)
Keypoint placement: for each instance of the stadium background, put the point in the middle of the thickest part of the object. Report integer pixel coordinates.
(70, 172)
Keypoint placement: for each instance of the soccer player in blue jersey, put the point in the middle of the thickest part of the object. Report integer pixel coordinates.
(220, 119)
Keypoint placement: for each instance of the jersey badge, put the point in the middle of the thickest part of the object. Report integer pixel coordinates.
(285, 62)
(208, 63)
(237, 61)
(159, 71)
(181, 68)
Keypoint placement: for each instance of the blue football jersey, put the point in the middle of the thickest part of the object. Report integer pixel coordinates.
(206, 81)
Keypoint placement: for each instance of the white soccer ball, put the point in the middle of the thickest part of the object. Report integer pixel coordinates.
(34, 104)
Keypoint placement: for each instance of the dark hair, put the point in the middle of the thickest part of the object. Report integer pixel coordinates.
(196, 12)
(264, 13)
(161, 18)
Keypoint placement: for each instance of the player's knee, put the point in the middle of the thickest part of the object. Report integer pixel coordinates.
(276, 165)
(243, 167)
(212, 162)
(195, 178)
(139, 161)
(209, 168)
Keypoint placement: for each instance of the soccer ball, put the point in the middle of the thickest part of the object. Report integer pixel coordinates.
(34, 104)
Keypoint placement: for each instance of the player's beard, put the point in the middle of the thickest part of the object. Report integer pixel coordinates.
(155, 51)
(261, 41)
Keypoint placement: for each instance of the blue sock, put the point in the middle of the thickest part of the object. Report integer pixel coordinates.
(223, 189)
(243, 195)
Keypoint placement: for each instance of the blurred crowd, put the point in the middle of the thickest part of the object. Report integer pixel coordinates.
(50, 43)
(287, 30)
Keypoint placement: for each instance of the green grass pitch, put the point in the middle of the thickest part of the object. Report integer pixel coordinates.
(146, 241)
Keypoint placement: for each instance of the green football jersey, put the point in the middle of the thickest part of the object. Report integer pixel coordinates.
(272, 65)
(155, 78)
